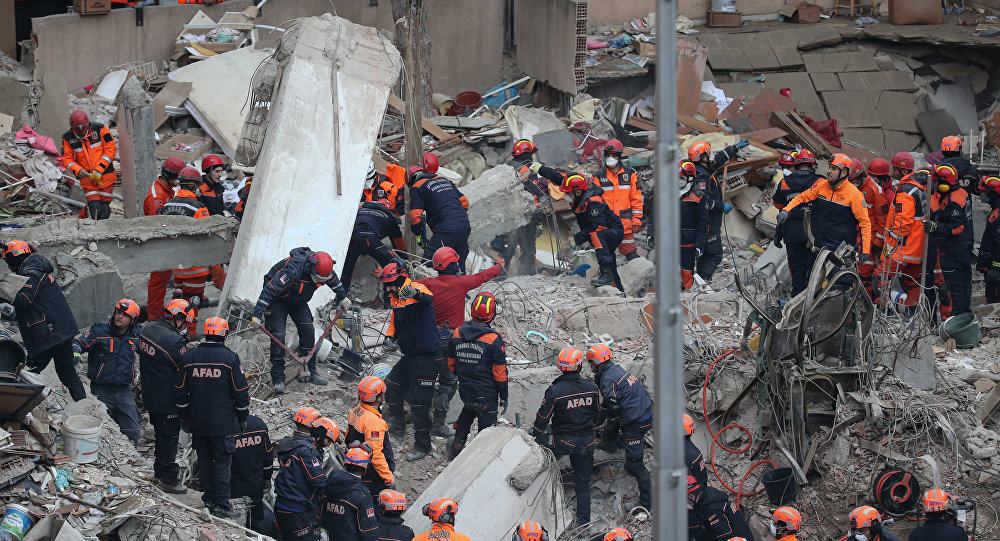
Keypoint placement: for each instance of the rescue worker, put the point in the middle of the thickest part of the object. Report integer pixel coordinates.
(110, 347)
(388, 186)
(989, 246)
(902, 165)
(346, 511)
(692, 454)
(878, 208)
(213, 405)
(162, 345)
(618, 534)
(793, 234)
(599, 225)
(878, 170)
(530, 531)
(442, 513)
(160, 192)
(700, 153)
(866, 523)
(375, 221)
(365, 423)
(252, 469)
(695, 221)
(211, 189)
(244, 195)
(629, 411)
(412, 330)
(478, 358)
(716, 518)
(88, 150)
(951, 222)
(968, 173)
(622, 194)
(573, 405)
(445, 209)
(939, 519)
(391, 506)
(39, 300)
(299, 480)
(839, 206)
(521, 160)
(288, 288)
(785, 522)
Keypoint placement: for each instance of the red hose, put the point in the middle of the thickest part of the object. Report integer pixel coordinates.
(715, 439)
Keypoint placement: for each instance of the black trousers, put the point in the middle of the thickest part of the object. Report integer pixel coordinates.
(215, 462)
(800, 264)
(414, 374)
(99, 210)
(364, 242)
(275, 321)
(445, 391)
(166, 428)
(580, 449)
(957, 269)
(260, 519)
(62, 354)
(296, 526)
(709, 261)
(485, 413)
(633, 434)
(457, 240)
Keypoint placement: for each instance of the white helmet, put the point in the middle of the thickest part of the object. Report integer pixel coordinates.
(371, 176)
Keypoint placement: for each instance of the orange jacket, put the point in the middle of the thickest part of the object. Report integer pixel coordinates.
(159, 193)
(622, 193)
(366, 421)
(878, 207)
(837, 215)
(904, 235)
(95, 152)
(441, 531)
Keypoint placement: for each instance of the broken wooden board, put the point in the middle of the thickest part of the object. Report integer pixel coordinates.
(989, 405)
(429, 126)
(801, 133)
(766, 135)
(691, 61)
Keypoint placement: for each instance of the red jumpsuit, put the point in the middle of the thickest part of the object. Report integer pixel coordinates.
(156, 291)
(878, 208)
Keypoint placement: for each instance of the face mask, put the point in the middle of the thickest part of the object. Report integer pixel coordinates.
(611, 162)
(774, 529)
(859, 537)
(786, 172)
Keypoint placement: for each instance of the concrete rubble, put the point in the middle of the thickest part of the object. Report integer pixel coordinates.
(498, 204)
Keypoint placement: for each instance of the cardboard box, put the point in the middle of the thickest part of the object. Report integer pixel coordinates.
(186, 147)
(804, 13)
(92, 7)
(645, 48)
(915, 12)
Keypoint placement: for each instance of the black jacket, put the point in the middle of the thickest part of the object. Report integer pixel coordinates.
(290, 281)
(476, 354)
(210, 194)
(110, 356)
(937, 530)
(43, 315)
(379, 220)
(346, 511)
(713, 188)
(968, 173)
(253, 460)
(571, 404)
(620, 385)
(393, 529)
(413, 323)
(791, 186)
(695, 462)
(160, 350)
(445, 207)
(300, 473)
(212, 391)
(719, 519)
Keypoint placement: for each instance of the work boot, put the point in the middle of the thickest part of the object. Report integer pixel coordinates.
(631, 256)
(315, 378)
(442, 431)
(452, 449)
(397, 427)
(603, 279)
(416, 454)
(279, 387)
(222, 512)
(172, 489)
(608, 446)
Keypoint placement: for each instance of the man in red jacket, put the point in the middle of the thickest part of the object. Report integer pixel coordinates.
(450, 289)
(160, 192)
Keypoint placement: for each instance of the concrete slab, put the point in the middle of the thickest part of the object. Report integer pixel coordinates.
(897, 141)
(53, 107)
(954, 72)
(497, 204)
(324, 119)
(788, 57)
(14, 100)
(853, 81)
(852, 109)
(958, 100)
(825, 82)
(839, 62)
(617, 317)
(802, 89)
(936, 125)
(525, 122)
(729, 60)
(916, 371)
(555, 147)
(898, 111)
(748, 90)
(91, 283)
(870, 138)
(891, 80)
(636, 274)
(762, 58)
(861, 61)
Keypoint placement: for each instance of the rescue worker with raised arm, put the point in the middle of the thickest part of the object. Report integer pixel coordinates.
(939, 519)
(375, 221)
(793, 234)
(951, 222)
(442, 513)
(300, 479)
(211, 189)
(346, 509)
(989, 246)
(160, 192)
(878, 208)
(695, 221)
(437, 204)
(700, 153)
(88, 153)
(365, 423)
(521, 160)
(253, 467)
(622, 193)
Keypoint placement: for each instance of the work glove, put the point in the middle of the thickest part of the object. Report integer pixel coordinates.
(742, 143)
(345, 304)
(581, 238)
(782, 217)
(257, 320)
(95, 176)
(535, 166)
(421, 242)
(83, 174)
(727, 208)
(390, 344)
(7, 310)
(503, 406)
(77, 357)
(779, 233)
(500, 261)
(864, 258)
(407, 292)
(930, 226)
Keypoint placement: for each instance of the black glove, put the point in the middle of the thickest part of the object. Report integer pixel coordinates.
(993, 274)
(779, 233)
(581, 238)
(243, 426)
(930, 226)
(863, 258)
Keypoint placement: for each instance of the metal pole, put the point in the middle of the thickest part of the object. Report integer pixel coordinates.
(670, 483)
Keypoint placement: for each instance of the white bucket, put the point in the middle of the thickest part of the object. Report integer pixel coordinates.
(81, 436)
(324, 350)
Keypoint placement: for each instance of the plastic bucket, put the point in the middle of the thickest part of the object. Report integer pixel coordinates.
(468, 100)
(324, 350)
(16, 521)
(780, 486)
(81, 436)
(964, 329)
(380, 370)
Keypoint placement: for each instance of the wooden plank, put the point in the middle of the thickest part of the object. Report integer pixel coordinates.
(428, 126)
(733, 110)
(766, 135)
(640, 123)
(829, 148)
(990, 404)
(803, 135)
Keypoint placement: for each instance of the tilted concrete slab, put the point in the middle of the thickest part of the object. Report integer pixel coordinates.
(322, 127)
(501, 479)
(498, 204)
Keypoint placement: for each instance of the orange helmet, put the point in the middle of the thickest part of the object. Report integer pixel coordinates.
(441, 510)
(430, 162)
(952, 143)
(688, 171)
(357, 456)
(878, 167)
(370, 389)
(688, 424)
(216, 326)
(330, 428)
(841, 161)
(573, 182)
(936, 500)
(17, 247)
(523, 146)
(737, 539)
(443, 257)
(618, 534)
(392, 500)
(570, 359)
(484, 307)
(530, 531)
(804, 156)
(904, 161)
(786, 159)
(306, 416)
(129, 307)
(614, 146)
(865, 517)
(392, 271)
(788, 518)
(599, 354)
(209, 162)
(180, 308)
(699, 149)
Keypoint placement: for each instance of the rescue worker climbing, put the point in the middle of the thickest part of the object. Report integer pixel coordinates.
(629, 411)
(792, 234)
(711, 517)
(939, 519)
(695, 221)
(445, 209)
(300, 479)
(211, 189)
(388, 186)
(478, 357)
(365, 423)
(622, 194)
(878, 208)
(253, 466)
(288, 288)
(700, 153)
(391, 506)
(968, 173)
(412, 330)
(989, 246)
(572, 404)
(346, 509)
(88, 150)
(951, 222)
(375, 221)
(111, 347)
(692, 454)
(785, 522)
(160, 192)
(442, 513)
(865, 524)
(521, 160)
(213, 405)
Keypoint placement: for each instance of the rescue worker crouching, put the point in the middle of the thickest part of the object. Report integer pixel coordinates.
(442, 513)
(711, 517)
(375, 221)
(446, 211)
(365, 424)
(695, 221)
(692, 454)
(700, 153)
(346, 509)
(88, 153)
(622, 193)
(300, 478)
(391, 506)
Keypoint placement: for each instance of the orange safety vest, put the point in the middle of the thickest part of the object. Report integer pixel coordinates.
(878, 207)
(904, 236)
(621, 192)
(95, 152)
(159, 193)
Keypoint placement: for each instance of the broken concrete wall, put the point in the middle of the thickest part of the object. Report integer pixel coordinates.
(321, 130)
(497, 204)
(545, 32)
(91, 283)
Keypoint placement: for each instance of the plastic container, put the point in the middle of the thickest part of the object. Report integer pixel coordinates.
(964, 329)
(81, 437)
(724, 5)
(468, 100)
(380, 370)
(780, 486)
(324, 350)
(16, 522)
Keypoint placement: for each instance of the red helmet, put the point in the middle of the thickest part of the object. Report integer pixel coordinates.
(992, 184)
(331, 430)
(430, 162)
(599, 354)
(688, 424)
(804, 157)
(618, 534)
(573, 182)
(523, 146)
(614, 146)
(904, 161)
(857, 169)
(392, 500)
(392, 271)
(841, 161)
(216, 326)
(699, 149)
(129, 307)
(441, 510)
(530, 531)
(786, 159)
(79, 124)
(688, 171)
(952, 143)
(412, 172)
(209, 162)
(484, 307)
(370, 389)
(788, 518)
(569, 359)
(865, 517)
(936, 500)
(306, 416)
(180, 308)
(878, 167)
(17, 247)
(189, 175)
(172, 167)
(321, 265)
(946, 176)
(443, 257)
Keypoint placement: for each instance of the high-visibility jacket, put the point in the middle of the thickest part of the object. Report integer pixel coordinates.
(159, 193)
(904, 239)
(441, 530)
(365, 423)
(878, 207)
(187, 204)
(952, 212)
(622, 194)
(841, 212)
(95, 152)
(389, 186)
